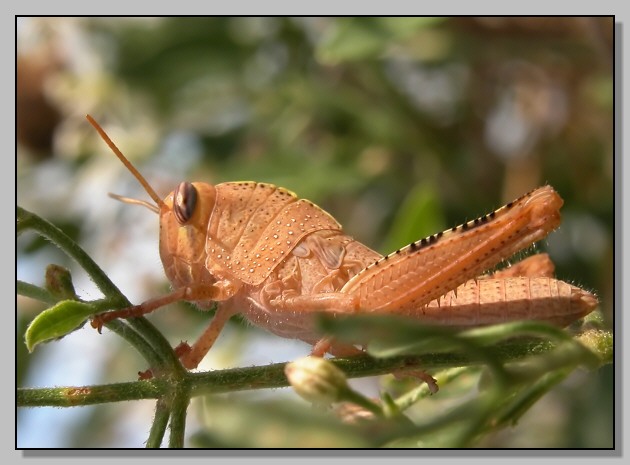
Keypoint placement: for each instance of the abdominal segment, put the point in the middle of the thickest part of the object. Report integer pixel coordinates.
(486, 301)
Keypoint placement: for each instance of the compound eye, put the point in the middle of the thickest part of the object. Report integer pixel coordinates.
(184, 202)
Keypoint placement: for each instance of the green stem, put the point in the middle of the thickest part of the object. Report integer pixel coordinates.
(446, 376)
(89, 395)
(212, 382)
(180, 402)
(160, 421)
(350, 395)
(35, 292)
(511, 413)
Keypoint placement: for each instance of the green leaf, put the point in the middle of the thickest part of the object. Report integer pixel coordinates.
(388, 331)
(361, 38)
(57, 321)
(390, 336)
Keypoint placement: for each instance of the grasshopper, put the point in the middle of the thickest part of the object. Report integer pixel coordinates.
(259, 250)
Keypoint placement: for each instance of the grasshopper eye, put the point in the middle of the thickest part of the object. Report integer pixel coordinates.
(184, 201)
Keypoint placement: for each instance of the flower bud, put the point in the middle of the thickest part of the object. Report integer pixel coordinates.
(317, 380)
(59, 282)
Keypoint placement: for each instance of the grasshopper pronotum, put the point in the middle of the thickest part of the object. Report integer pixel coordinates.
(258, 250)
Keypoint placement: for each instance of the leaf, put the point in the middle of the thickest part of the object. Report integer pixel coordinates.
(390, 336)
(364, 38)
(57, 321)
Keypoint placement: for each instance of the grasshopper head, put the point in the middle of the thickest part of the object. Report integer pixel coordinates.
(184, 216)
(183, 232)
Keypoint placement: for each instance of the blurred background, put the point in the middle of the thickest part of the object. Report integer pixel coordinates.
(399, 127)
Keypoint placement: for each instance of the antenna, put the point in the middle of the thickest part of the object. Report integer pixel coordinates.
(127, 163)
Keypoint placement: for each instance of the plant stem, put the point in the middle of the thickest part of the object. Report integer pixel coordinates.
(89, 395)
(35, 292)
(180, 401)
(160, 421)
(272, 376)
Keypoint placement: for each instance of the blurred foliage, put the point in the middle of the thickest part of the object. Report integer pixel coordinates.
(399, 127)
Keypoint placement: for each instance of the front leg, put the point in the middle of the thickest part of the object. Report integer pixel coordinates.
(204, 294)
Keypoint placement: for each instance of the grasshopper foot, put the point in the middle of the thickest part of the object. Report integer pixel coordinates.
(99, 320)
(97, 323)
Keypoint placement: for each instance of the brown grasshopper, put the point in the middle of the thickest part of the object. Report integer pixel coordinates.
(258, 250)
